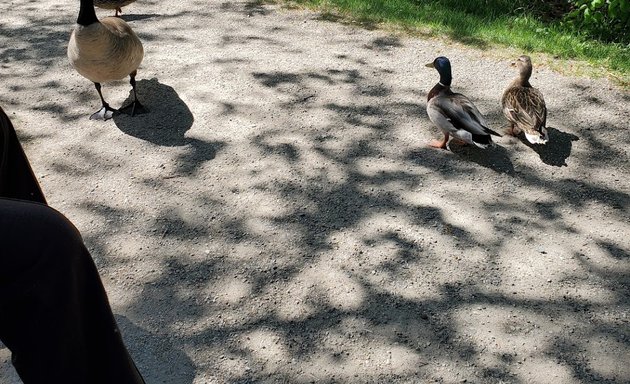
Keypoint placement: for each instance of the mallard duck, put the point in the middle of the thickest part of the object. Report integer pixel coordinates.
(113, 4)
(103, 51)
(524, 105)
(454, 113)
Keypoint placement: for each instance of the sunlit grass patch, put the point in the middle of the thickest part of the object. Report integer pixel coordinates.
(524, 26)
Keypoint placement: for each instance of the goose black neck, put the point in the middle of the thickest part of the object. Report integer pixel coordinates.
(87, 13)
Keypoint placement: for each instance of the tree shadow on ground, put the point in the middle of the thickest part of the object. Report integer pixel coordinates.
(151, 351)
(384, 44)
(356, 214)
(330, 249)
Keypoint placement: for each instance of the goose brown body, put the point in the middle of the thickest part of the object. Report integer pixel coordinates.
(105, 51)
(524, 105)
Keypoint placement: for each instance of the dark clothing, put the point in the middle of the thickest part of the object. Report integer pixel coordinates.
(16, 177)
(54, 313)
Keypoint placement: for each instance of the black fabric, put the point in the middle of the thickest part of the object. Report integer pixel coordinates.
(54, 313)
(55, 317)
(16, 177)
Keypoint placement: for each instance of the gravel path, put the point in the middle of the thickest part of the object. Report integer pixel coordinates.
(278, 217)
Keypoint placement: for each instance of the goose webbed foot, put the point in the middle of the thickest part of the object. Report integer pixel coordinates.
(133, 109)
(105, 113)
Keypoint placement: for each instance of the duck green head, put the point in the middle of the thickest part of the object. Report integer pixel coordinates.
(443, 66)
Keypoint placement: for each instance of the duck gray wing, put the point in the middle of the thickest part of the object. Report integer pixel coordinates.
(455, 112)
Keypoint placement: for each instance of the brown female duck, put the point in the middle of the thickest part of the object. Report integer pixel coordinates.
(524, 105)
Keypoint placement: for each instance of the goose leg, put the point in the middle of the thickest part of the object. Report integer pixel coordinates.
(135, 107)
(118, 12)
(106, 112)
(441, 144)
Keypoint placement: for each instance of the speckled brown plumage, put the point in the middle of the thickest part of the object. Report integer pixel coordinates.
(524, 105)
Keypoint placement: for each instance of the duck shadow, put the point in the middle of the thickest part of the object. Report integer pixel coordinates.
(495, 158)
(557, 150)
(167, 120)
(157, 359)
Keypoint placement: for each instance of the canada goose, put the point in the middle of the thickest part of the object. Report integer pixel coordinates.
(104, 51)
(454, 113)
(524, 105)
(113, 4)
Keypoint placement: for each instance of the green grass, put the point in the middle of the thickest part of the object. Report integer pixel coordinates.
(489, 25)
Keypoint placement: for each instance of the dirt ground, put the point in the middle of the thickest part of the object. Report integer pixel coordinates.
(278, 218)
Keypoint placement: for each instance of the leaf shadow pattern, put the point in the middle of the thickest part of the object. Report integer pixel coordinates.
(615, 250)
(384, 44)
(327, 248)
(143, 344)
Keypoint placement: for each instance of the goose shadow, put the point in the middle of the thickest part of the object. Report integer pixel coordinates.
(166, 123)
(157, 359)
(557, 150)
(167, 120)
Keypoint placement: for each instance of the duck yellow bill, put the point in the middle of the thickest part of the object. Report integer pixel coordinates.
(430, 65)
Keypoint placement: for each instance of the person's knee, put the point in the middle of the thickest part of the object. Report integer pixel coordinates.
(35, 234)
